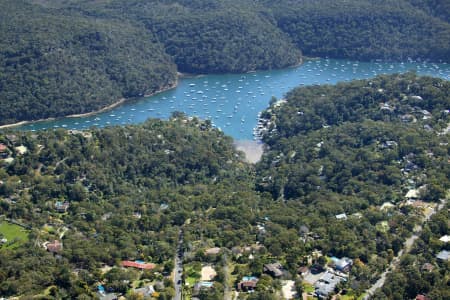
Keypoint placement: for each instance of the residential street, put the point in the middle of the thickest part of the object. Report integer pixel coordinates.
(226, 287)
(178, 269)
(407, 247)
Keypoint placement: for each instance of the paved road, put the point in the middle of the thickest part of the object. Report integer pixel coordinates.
(226, 281)
(178, 269)
(406, 248)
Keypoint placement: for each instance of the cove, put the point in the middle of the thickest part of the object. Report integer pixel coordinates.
(232, 101)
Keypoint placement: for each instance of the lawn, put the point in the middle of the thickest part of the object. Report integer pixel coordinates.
(191, 275)
(15, 234)
(382, 226)
(308, 288)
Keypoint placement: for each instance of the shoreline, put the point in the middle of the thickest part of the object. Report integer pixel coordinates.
(88, 114)
(123, 100)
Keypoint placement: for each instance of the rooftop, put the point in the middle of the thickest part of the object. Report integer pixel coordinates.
(341, 216)
(275, 269)
(212, 251)
(445, 238)
(443, 255)
(326, 284)
(138, 264)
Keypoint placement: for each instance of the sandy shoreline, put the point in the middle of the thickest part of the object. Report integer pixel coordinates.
(120, 102)
(106, 108)
(103, 109)
(253, 149)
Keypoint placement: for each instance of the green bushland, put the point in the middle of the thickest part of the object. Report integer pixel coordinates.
(69, 57)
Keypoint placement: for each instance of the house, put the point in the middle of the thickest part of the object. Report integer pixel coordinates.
(4, 153)
(8, 160)
(410, 166)
(418, 204)
(62, 207)
(412, 194)
(138, 264)
(387, 107)
(248, 283)
(343, 265)
(202, 285)
(146, 291)
(341, 216)
(387, 206)
(357, 215)
(443, 255)
(445, 238)
(427, 267)
(21, 149)
(108, 296)
(12, 138)
(389, 144)
(212, 251)
(274, 269)
(325, 286)
(408, 118)
(303, 271)
(53, 247)
(415, 97)
(261, 228)
(316, 269)
(237, 250)
(304, 230)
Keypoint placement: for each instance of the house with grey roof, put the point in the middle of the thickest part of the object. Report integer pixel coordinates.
(444, 255)
(274, 269)
(326, 285)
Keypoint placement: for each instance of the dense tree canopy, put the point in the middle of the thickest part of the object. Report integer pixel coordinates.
(364, 29)
(54, 64)
(75, 56)
(334, 156)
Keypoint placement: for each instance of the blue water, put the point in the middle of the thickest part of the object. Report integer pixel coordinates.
(232, 102)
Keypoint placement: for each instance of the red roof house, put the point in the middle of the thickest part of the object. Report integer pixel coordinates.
(54, 247)
(138, 265)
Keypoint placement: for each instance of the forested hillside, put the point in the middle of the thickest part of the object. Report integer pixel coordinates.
(353, 136)
(68, 57)
(365, 30)
(437, 8)
(55, 63)
(333, 179)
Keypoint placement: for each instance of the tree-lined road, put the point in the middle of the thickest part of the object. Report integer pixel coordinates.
(406, 249)
(178, 269)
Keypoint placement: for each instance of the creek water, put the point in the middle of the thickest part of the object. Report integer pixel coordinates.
(232, 101)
